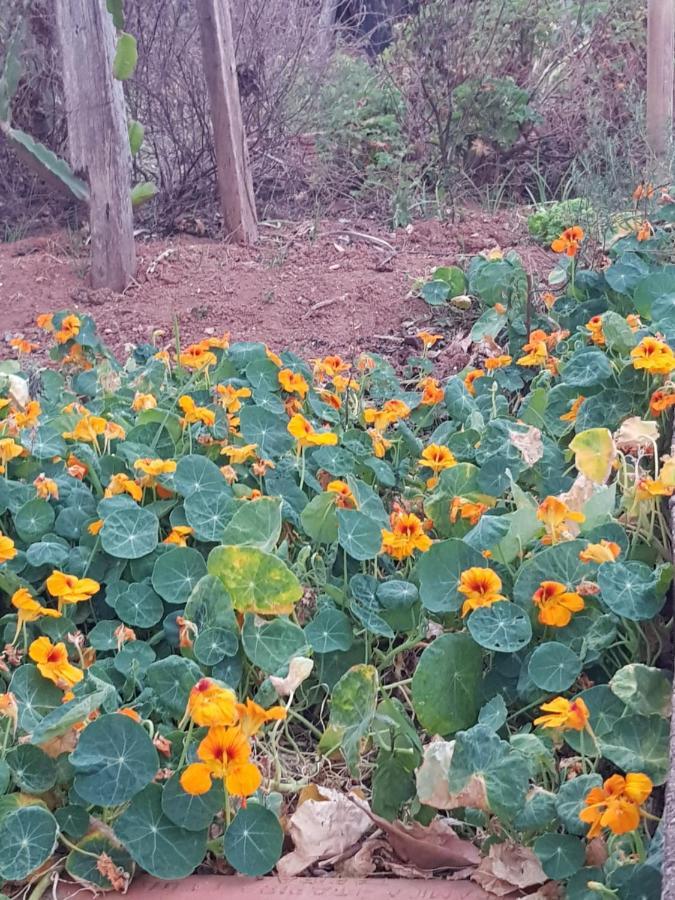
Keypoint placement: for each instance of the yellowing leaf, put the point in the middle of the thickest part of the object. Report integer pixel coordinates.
(594, 453)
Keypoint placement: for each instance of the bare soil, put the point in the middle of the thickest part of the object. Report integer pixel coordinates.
(313, 288)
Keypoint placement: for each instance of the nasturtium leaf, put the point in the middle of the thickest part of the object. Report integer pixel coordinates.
(570, 801)
(213, 644)
(435, 292)
(637, 881)
(133, 659)
(493, 714)
(319, 518)
(618, 334)
(554, 667)
(157, 844)
(557, 563)
(208, 512)
(130, 533)
(560, 855)
(488, 532)
(255, 524)
(539, 813)
(445, 693)
(46, 553)
(33, 771)
(210, 605)
(126, 57)
(44, 443)
(396, 594)
(197, 474)
(394, 732)
(192, 812)
(27, 840)
(502, 627)
(359, 534)
(644, 689)
(523, 528)
(625, 274)
(352, 708)
(139, 606)
(329, 630)
(82, 862)
(177, 572)
(639, 744)
(649, 289)
(608, 408)
(577, 886)
(439, 570)
(594, 453)
(113, 760)
(35, 696)
(587, 368)
(253, 841)
(171, 681)
(604, 709)
(66, 715)
(272, 644)
(33, 519)
(73, 820)
(629, 589)
(265, 429)
(258, 582)
(393, 785)
(498, 774)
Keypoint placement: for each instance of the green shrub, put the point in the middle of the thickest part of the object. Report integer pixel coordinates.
(551, 219)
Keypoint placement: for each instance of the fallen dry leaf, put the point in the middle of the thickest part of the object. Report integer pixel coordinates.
(635, 434)
(508, 867)
(434, 846)
(596, 852)
(323, 829)
(299, 669)
(529, 444)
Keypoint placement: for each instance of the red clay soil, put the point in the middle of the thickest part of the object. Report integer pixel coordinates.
(333, 292)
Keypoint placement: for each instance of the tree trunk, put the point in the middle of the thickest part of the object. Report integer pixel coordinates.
(98, 140)
(660, 32)
(234, 176)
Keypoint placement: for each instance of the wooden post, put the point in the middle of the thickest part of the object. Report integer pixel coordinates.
(234, 175)
(660, 62)
(98, 139)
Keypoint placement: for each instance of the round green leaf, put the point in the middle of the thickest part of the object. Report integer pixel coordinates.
(644, 689)
(27, 840)
(256, 524)
(134, 658)
(554, 667)
(171, 681)
(629, 589)
(45, 553)
(358, 534)
(208, 512)
(81, 865)
(329, 630)
(196, 474)
(73, 820)
(139, 606)
(439, 570)
(445, 693)
(156, 844)
(560, 855)
(587, 368)
(639, 744)
(319, 518)
(570, 801)
(214, 644)
(558, 563)
(258, 582)
(177, 572)
(502, 627)
(35, 696)
(604, 710)
(271, 645)
(194, 813)
(253, 841)
(267, 430)
(33, 771)
(130, 533)
(114, 759)
(33, 519)
(210, 605)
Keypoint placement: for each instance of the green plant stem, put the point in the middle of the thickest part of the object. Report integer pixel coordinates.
(292, 714)
(186, 745)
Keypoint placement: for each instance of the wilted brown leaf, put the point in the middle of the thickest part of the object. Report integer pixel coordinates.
(529, 444)
(432, 780)
(508, 867)
(299, 669)
(636, 434)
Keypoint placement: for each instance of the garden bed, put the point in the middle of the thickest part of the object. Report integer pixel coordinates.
(340, 619)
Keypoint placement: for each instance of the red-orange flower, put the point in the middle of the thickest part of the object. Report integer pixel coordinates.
(406, 535)
(556, 604)
(569, 241)
(481, 587)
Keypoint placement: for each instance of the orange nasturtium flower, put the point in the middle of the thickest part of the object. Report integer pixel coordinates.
(224, 754)
(87, 429)
(305, 434)
(461, 508)
(70, 328)
(644, 231)
(28, 608)
(120, 483)
(406, 535)
(556, 604)
(653, 356)
(343, 494)
(594, 325)
(380, 443)
(239, 454)
(28, 416)
(142, 402)
(548, 299)
(230, 397)
(152, 469)
(643, 191)
(660, 401)
(616, 805)
(95, 526)
(9, 709)
(45, 321)
(251, 717)
(569, 241)
(76, 468)
(71, 589)
(329, 367)
(194, 413)
(634, 322)
(571, 415)
(46, 487)
(564, 714)
(23, 346)
(7, 549)
(605, 551)
(470, 378)
(391, 412)
(293, 382)
(481, 587)
(179, 535)
(432, 392)
(428, 339)
(52, 663)
(537, 350)
(556, 515)
(9, 449)
(197, 356)
(498, 362)
(436, 457)
(210, 703)
(329, 398)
